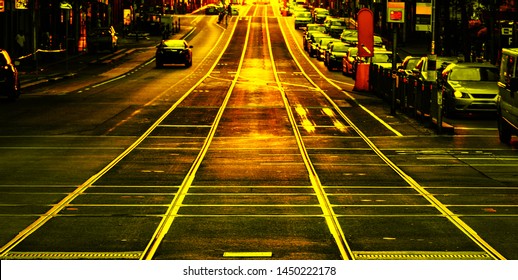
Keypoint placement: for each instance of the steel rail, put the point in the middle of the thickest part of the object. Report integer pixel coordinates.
(329, 214)
(177, 202)
(59, 206)
(443, 209)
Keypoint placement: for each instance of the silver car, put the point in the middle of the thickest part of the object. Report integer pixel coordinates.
(469, 87)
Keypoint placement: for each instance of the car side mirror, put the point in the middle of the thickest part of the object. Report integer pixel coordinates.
(190, 47)
(513, 84)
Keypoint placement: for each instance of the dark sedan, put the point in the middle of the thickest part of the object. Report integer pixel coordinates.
(9, 81)
(335, 55)
(469, 87)
(173, 52)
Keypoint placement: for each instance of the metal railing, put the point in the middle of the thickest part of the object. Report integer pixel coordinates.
(411, 95)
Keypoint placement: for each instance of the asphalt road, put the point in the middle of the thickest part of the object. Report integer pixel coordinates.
(256, 150)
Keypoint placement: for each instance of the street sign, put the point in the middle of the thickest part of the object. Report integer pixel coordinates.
(507, 31)
(2, 6)
(423, 13)
(21, 4)
(365, 33)
(396, 12)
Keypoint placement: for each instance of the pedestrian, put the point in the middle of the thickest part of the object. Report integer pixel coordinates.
(20, 44)
(229, 9)
(221, 15)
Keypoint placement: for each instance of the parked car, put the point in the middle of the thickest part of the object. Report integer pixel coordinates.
(9, 80)
(103, 38)
(173, 52)
(425, 70)
(320, 15)
(335, 54)
(322, 47)
(334, 26)
(311, 28)
(406, 67)
(349, 36)
(313, 41)
(348, 60)
(384, 58)
(408, 64)
(213, 9)
(302, 19)
(469, 87)
(507, 100)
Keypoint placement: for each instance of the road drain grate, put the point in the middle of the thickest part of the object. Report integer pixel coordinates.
(420, 255)
(72, 256)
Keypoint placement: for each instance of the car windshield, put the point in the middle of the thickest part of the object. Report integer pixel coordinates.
(174, 44)
(316, 28)
(325, 41)
(350, 33)
(337, 23)
(340, 48)
(474, 74)
(411, 63)
(381, 58)
(304, 15)
(353, 52)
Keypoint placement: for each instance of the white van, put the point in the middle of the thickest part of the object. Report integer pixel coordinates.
(507, 102)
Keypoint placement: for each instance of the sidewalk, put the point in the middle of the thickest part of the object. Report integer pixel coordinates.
(57, 66)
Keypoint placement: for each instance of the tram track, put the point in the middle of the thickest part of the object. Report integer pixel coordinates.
(193, 192)
(453, 218)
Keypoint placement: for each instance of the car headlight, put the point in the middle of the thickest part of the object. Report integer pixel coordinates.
(460, 94)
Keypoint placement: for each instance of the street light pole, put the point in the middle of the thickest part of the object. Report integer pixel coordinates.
(66, 7)
(432, 48)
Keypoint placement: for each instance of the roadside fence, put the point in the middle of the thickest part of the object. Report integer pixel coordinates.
(417, 98)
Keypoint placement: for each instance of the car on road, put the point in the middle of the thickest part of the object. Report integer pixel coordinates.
(173, 51)
(9, 79)
(335, 55)
(313, 41)
(212, 9)
(427, 69)
(348, 60)
(408, 64)
(311, 28)
(349, 36)
(103, 38)
(302, 19)
(507, 100)
(335, 26)
(323, 45)
(384, 58)
(469, 87)
(320, 15)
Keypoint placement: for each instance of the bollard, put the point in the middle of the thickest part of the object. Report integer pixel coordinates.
(362, 77)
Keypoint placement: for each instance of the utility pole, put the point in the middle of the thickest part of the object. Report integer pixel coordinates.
(432, 48)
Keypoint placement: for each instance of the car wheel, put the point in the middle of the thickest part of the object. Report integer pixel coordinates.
(504, 131)
(188, 63)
